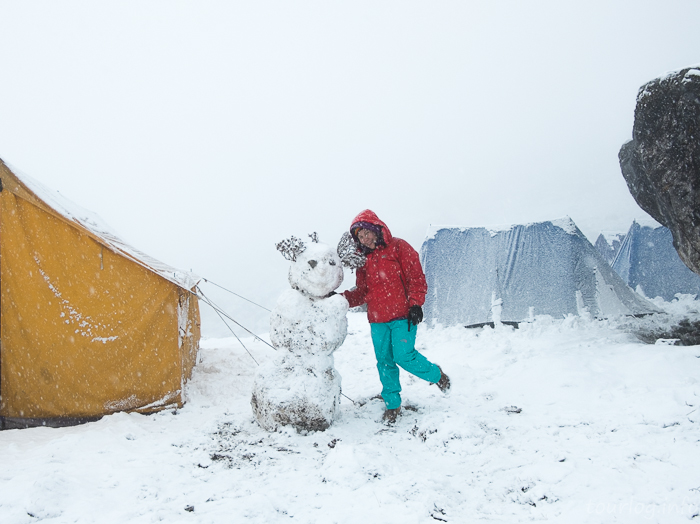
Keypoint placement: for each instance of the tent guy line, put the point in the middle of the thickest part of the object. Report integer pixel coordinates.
(232, 332)
(221, 312)
(200, 294)
(239, 296)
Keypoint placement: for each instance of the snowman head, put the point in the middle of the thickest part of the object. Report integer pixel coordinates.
(316, 269)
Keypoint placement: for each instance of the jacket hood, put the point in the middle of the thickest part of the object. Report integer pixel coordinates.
(370, 216)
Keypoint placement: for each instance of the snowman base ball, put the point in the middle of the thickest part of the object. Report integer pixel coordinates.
(302, 393)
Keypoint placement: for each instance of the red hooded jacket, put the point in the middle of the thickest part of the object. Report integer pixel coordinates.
(392, 279)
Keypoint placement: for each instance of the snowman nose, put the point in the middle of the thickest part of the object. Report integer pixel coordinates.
(312, 263)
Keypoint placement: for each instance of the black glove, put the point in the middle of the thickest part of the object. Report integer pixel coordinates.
(415, 316)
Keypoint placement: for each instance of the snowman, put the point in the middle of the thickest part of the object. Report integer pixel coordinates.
(301, 387)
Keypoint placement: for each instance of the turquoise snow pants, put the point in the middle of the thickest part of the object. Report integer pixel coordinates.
(395, 344)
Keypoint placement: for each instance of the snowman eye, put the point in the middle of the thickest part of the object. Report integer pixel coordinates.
(312, 263)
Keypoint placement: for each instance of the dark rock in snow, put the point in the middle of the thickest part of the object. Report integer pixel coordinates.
(661, 164)
(685, 333)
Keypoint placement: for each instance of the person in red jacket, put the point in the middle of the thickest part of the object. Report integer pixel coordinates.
(393, 286)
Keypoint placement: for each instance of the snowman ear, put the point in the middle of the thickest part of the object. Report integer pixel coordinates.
(314, 237)
(348, 252)
(291, 248)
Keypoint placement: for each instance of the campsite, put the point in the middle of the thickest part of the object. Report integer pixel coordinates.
(178, 258)
(545, 400)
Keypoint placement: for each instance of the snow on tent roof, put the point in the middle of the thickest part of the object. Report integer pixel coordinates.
(104, 234)
(546, 268)
(648, 262)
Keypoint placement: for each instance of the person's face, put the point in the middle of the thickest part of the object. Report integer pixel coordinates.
(367, 238)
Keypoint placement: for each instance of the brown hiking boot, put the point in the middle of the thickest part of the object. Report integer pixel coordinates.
(390, 415)
(444, 382)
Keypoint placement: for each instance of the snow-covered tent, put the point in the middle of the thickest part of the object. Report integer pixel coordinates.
(89, 325)
(479, 275)
(608, 244)
(649, 263)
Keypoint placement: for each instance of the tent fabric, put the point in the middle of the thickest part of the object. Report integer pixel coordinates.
(479, 275)
(608, 245)
(54, 203)
(648, 262)
(86, 328)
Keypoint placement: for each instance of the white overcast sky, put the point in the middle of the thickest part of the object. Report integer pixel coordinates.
(205, 131)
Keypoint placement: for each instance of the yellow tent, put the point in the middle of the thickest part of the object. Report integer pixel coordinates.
(88, 325)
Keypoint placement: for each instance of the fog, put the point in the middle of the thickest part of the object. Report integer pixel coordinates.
(205, 132)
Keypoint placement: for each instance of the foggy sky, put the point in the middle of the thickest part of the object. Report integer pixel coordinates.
(204, 132)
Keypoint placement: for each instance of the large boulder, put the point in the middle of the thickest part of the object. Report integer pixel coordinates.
(661, 164)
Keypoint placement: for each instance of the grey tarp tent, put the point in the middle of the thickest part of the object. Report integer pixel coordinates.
(476, 275)
(648, 262)
(608, 245)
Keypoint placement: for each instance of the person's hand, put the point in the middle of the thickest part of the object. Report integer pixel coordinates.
(415, 316)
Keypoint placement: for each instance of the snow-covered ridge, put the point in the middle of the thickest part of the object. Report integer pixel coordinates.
(96, 225)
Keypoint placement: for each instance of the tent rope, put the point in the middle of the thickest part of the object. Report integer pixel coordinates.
(239, 296)
(351, 400)
(234, 334)
(222, 312)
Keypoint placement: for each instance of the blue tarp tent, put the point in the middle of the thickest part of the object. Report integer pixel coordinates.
(479, 275)
(648, 262)
(608, 245)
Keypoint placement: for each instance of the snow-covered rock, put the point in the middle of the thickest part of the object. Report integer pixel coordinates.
(661, 164)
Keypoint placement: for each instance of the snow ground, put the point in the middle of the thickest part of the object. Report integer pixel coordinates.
(607, 432)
